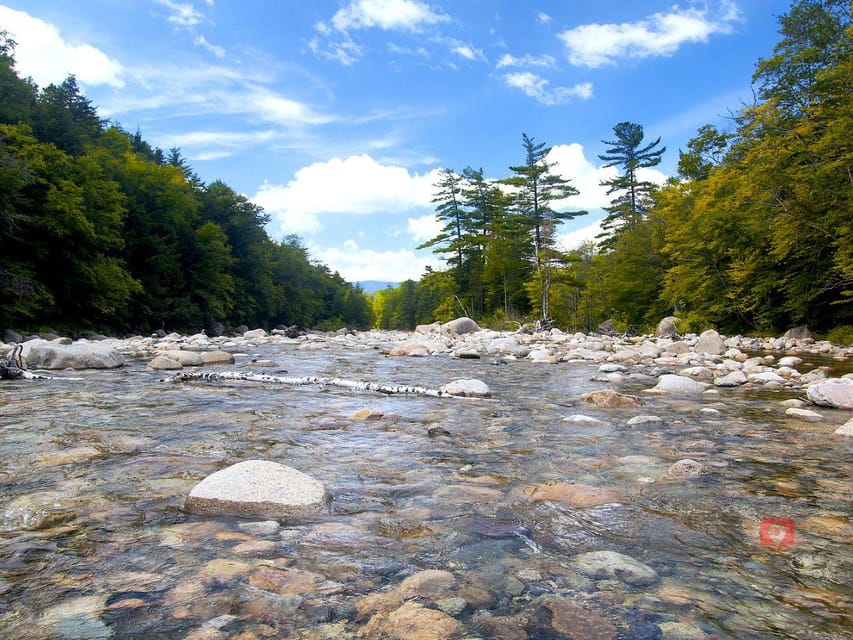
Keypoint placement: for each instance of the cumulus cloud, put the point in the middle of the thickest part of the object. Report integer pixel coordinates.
(661, 34)
(574, 239)
(354, 185)
(407, 15)
(43, 54)
(572, 163)
(424, 228)
(537, 87)
(357, 264)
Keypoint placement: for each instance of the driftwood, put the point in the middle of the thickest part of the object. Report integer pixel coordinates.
(387, 389)
(12, 367)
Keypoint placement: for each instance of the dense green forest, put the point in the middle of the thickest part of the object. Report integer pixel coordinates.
(101, 231)
(754, 234)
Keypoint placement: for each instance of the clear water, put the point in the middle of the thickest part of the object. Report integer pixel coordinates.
(94, 541)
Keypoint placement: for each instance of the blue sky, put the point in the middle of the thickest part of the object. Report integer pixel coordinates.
(335, 116)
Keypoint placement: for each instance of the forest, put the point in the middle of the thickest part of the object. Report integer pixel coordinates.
(753, 234)
(101, 231)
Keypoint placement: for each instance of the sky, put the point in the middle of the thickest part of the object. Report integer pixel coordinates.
(335, 116)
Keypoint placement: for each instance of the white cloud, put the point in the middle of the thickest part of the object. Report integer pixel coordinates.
(508, 60)
(216, 50)
(467, 51)
(574, 239)
(44, 55)
(543, 18)
(572, 163)
(346, 52)
(424, 228)
(386, 14)
(537, 87)
(354, 185)
(356, 264)
(184, 14)
(661, 34)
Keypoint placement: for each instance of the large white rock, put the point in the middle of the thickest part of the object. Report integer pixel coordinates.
(258, 488)
(670, 383)
(833, 392)
(460, 326)
(711, 343)
(733, 379)
(507, 346)
(466, 388)
(666, 328)
(184, 358)
(41, 354)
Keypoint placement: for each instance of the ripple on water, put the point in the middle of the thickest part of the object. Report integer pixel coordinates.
(94, 541)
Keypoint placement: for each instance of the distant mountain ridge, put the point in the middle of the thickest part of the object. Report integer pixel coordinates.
(372, 286)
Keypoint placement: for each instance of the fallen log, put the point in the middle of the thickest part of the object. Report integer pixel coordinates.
(353, 385)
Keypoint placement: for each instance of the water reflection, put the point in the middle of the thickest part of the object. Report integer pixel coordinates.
(94, 542)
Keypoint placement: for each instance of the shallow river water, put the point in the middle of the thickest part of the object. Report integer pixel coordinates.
(501, 493)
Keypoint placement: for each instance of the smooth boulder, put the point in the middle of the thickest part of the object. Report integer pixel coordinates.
(711, 343)
(258, 488)
(41, 354)
(460, 326)
(833, 392)
(669, 383)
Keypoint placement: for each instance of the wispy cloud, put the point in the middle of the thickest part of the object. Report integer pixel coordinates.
(408, 15)
(543, 18)
(537, 87)
(661, 34)
(508, 60)
(201, 41)
(183, 14)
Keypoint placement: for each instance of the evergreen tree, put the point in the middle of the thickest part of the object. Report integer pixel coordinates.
(536, 188)
(631, 202)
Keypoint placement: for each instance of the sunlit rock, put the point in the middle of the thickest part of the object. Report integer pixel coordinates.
(609, 399)
(680, 385)
(833, 392)
(711, 343)
(466, 388)
(258, 488)
(803, 414)
(460, 326)
(41, 354)
(687, 468)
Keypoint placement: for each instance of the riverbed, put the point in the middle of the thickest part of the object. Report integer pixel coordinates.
(498, 501)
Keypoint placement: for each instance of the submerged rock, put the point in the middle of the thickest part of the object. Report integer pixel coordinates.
(258, 488)
(610, 564)
(688, 468)
(609, 399)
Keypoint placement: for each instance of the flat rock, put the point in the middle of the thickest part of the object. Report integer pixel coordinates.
(845, 430)
(574, 621)
(162, 363)
(584, 421)
(669, 383)
(574, 494)
(833, 392)
(645, 421)
(610, 564)
(471, 388)
(41, 354)
(803, 414)
(216, 357)
(258, 488)
(609, 399)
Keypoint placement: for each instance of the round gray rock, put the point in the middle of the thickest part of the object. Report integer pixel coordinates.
(258, 488)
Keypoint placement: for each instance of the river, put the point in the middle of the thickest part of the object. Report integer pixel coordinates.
(499, 499)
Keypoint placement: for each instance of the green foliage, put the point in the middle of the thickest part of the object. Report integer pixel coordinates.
(841, 335)
(100, 229)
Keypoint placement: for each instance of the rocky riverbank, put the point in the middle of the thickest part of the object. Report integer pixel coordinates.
(606, 487)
